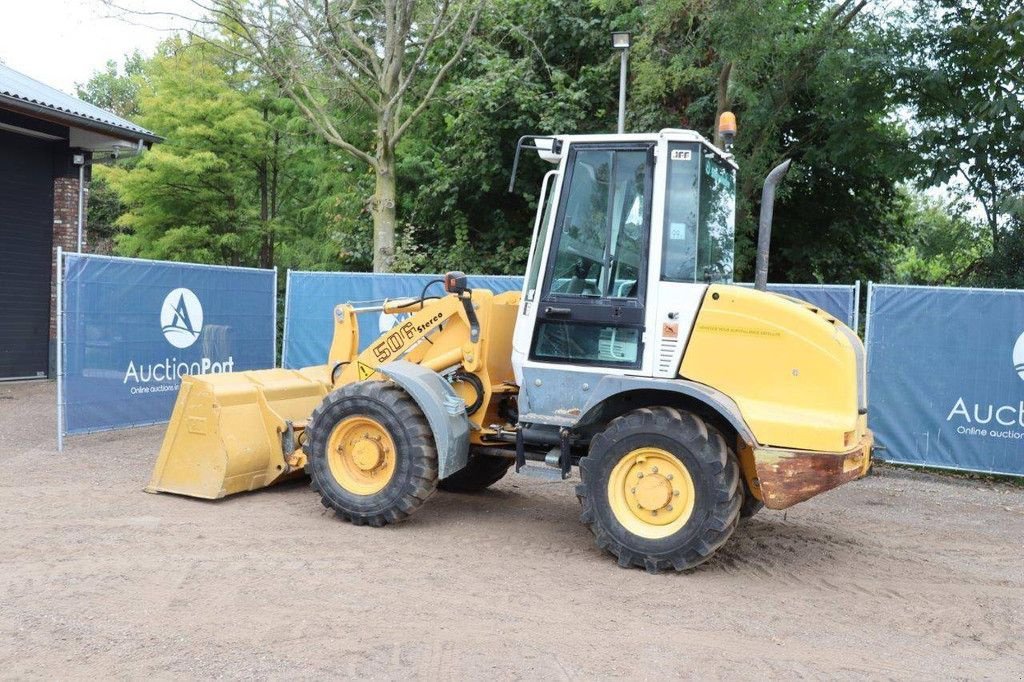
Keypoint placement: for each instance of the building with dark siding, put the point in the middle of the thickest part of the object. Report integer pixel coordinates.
(48, 140)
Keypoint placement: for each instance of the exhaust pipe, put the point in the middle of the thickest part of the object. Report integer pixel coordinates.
(764, 226)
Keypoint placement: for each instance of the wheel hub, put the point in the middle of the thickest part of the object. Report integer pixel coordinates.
(651, 492)
(367, 454)
(361, 455)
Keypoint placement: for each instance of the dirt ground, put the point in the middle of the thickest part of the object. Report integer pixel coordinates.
(900, 575)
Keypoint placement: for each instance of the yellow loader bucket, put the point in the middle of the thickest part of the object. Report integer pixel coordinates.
(228, 432)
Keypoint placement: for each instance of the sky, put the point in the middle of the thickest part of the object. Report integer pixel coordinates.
(63, 42)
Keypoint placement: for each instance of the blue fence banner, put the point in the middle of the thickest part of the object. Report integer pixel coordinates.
(311, 296)
(132, 328)
(841, 301)
(946, 377)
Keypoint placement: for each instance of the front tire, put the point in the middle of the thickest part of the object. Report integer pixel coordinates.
(371, 454)
(660, 489)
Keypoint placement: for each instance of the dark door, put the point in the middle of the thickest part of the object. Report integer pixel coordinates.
(591, 310)
(26, 239)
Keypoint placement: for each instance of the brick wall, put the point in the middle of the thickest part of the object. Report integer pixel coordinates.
(65, 231)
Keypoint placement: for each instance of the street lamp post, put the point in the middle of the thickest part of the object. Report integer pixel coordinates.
(621, 42)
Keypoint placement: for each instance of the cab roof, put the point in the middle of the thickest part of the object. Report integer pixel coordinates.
(671, 134)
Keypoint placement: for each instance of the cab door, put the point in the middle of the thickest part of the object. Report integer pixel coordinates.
(590, 312)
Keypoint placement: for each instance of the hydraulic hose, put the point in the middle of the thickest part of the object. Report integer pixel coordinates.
(478, 386)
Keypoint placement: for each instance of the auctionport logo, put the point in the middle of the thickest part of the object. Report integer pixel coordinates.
(989, 420)
(181, 318)
(181, 321)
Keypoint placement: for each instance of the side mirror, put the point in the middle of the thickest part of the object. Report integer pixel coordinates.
(456, 282)
(548, 147)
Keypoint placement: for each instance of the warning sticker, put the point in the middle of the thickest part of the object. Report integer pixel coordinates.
(365, 371)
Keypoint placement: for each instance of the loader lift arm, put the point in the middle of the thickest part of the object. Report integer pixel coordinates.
(425, 338)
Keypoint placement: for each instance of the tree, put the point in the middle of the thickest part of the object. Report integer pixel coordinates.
(210, 192)
(538, 67)
(944, 246)
(333, 59)
(1004, 266)
(289, 130)
(113, 90)
(103, 211)
(809, 81)
(241, 177)
(963, 80)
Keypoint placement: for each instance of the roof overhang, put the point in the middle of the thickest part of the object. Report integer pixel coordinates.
(91, 130)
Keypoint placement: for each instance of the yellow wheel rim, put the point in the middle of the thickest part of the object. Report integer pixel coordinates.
(651, 493)
(361, 455)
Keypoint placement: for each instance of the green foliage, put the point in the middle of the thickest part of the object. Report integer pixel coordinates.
(541, 67)
(115, 91)
(943, 246)
(105, 208)
(1004, 265)
(187, 196)
(239, 175)
(962, 77)
(868, 106)
(806, 83)
(964, 82)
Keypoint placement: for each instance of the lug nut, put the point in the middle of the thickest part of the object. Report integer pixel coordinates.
(654, 470)
(633, 490)
(654, 512)
(669, 477)
(639, 474)
(669, 507)
(675, 493)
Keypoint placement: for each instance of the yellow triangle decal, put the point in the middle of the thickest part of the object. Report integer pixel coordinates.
(365, 371)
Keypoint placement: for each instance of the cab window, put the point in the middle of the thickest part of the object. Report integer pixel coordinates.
(539, 241)
(717, 227)
(700, 216)
(679, 255)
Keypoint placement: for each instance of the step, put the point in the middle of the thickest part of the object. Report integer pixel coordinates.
(542, 472)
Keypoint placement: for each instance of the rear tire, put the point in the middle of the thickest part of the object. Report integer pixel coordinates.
(687, 507)
(751, 505)
(371, 454)
(481, 472)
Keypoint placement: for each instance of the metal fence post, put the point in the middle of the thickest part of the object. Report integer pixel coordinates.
(867, 319)
(284, 332)
(856, 306)
(60, 349)
(273, 337)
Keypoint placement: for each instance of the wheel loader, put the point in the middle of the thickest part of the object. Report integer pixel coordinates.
(684, 401)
